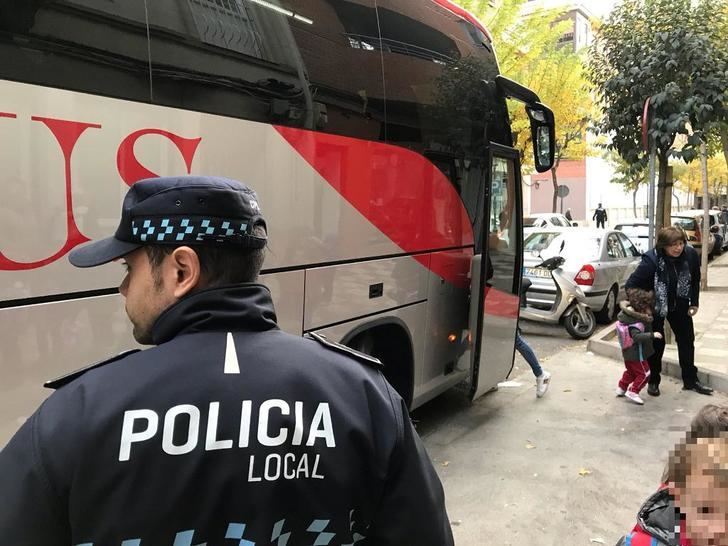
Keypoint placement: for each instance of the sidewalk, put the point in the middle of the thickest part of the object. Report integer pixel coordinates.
(569, 469)
(711, 333)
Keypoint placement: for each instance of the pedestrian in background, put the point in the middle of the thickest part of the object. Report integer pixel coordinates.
(229, 430)
(634, 330)
(600, 215)
(672, 271)
(690, 507)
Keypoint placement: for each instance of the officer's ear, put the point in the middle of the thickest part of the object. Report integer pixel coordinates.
(186, 269)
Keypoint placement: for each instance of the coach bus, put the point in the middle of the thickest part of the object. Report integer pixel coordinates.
(375, 132)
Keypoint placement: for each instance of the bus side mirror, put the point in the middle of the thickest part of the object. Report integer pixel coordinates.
(543, 135)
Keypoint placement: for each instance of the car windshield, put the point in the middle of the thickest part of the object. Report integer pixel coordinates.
(685, 223)
(576, 245)
(530, 221)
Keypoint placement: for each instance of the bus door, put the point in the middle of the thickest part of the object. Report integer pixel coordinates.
(498, 256)
(496, 274)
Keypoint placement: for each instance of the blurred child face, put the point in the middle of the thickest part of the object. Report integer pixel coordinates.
(704, 499)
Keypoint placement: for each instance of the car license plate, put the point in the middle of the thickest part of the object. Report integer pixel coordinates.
(538, 272)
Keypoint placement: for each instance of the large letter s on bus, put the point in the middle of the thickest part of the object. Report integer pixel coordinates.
(67, 134)
(129, 167)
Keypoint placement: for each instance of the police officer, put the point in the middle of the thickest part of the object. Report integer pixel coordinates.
(228, 431)
(600, 215)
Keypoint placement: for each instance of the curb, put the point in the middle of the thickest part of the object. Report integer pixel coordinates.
(604, 343)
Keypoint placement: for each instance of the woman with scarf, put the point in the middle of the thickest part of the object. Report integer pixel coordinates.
(672, 270)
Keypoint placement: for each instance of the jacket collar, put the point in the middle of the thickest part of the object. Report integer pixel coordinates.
(239, 307)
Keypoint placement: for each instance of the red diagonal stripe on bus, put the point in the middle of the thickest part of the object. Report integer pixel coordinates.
(399, 191)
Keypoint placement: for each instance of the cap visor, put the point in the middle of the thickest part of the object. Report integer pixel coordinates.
(100, 252)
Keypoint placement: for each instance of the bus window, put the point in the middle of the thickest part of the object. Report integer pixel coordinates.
(339, 46)
(232, 58)
(436, 102)
(82, 45)
(503, 233)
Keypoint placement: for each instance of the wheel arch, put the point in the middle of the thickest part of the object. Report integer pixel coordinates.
(391, 342)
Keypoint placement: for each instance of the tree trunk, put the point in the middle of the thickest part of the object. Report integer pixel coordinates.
(724, 141)
(634, 201)
(661, 179)
(667, 214)
(556, 188)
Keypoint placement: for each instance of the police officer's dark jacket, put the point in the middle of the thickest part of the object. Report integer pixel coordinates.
(229, 432)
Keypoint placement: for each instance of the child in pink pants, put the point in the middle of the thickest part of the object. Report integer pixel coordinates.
(634, 330)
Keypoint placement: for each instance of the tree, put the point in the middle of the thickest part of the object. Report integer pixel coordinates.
(529, 52)
(665, 50)
(688, 176)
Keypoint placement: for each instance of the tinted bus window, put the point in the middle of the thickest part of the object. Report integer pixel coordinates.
(226, 57)
(437, 105)
(339, 45)
(82, 45)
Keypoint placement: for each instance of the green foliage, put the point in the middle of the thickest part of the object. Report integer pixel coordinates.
(668, 50)
(630, 175)
(529, 53)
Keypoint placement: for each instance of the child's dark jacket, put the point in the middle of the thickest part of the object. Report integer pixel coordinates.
(642, 347)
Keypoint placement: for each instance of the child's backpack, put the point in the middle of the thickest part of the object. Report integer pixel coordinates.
(625, 340)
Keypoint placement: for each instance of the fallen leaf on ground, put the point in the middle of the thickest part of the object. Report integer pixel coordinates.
(597, 540)
(456, 522)
(584, 472)
(530, 446)
(445, 463)
(567, 390)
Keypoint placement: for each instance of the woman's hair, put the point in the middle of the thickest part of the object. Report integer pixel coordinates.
(710, 423)
(669, 235)
(641, 300)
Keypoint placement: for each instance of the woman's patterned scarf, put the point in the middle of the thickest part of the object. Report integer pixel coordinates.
(662, 282)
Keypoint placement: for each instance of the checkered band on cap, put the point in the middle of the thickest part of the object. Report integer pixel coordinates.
(192, 229)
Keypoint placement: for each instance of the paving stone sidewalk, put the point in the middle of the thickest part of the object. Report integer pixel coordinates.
(711, 333)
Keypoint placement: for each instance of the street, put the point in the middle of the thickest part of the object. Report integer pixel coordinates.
(570, 468)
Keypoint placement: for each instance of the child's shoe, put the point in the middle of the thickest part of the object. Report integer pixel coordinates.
(619, 391)
(542, 383)
(634, 397)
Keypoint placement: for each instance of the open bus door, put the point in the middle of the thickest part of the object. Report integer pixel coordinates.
(497, 263)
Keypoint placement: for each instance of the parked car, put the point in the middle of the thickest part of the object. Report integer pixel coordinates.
(638, 233)
(600, 261)
(545, 220)
(691, 222)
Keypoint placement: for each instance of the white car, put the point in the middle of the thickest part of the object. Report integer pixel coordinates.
(638, 232)
(543, 220)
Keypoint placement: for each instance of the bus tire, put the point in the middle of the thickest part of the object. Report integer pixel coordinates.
(391, 344)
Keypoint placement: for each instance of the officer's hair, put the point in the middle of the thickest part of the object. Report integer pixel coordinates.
(709, 425)
(220, 265)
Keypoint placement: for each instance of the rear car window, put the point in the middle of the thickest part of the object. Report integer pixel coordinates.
(529, 221)
(539, 241)
(575, 245)
(685, 223)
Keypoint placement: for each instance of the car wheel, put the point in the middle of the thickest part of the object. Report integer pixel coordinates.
(609, 311)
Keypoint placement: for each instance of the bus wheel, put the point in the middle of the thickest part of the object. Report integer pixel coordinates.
(390, 344)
